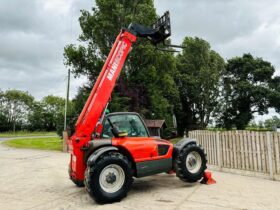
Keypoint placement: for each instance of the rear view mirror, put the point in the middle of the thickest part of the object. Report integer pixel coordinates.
(118, 133)
(115, 130)
(122, 134)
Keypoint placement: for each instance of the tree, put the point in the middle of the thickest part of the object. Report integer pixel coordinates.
(53, 107)
(36, 118)
(15, 105)
(249, 88)
(272, 123)
(199, 70)
(44, 114)
(274, 96)
(4, 124)
(146, 84)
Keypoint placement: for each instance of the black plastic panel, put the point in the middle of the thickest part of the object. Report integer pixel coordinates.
(163, 149)
(148, 168)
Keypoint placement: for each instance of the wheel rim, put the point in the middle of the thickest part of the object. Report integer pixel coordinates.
(112, 178)
(193, 162)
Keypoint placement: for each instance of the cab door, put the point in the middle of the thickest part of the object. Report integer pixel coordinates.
(140, 148)
(137, 141)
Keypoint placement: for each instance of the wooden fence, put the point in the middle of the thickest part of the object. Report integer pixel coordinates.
(242, 150)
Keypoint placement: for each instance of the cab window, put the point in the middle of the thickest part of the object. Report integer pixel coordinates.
(129, 123)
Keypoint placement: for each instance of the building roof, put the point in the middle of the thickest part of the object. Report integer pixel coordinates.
(155, 123)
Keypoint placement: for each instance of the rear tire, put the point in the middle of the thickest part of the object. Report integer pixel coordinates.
(109, 179)
(191, 163)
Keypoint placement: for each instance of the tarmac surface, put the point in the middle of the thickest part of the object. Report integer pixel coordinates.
(34, 179)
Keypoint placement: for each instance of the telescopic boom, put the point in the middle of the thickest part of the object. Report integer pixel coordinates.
(104, 85)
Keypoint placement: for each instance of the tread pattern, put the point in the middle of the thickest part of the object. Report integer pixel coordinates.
(180, 166)
(92, 177)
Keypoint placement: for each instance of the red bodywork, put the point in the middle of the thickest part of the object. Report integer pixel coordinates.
(143, 148)
(140, 148)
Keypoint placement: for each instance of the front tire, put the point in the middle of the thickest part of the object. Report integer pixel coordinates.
(191, 163)
(110, 178)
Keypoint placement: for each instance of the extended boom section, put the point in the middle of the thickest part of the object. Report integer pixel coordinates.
(97, 102)
(104, 85)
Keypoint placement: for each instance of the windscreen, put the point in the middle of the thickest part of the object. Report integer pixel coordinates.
(129, 123)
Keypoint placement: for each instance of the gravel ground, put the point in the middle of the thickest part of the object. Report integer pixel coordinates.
(33, 179)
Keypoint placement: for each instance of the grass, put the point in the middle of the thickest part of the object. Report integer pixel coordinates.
(175, 140)
(52, 143)
(25, 133)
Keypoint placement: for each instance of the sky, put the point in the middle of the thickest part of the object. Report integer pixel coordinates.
(33, 34)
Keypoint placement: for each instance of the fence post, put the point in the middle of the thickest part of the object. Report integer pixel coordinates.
(219, 150)
(269, 154)
(65, 140)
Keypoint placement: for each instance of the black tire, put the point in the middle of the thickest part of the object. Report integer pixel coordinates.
(93, 173)
(180, 163)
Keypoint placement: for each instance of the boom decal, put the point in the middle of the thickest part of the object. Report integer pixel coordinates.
(116, 62)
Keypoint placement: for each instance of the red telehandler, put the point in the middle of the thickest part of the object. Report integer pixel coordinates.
(108, 150)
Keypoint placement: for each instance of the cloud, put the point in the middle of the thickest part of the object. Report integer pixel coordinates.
(32, 37)
(33, 34)
(231, 27)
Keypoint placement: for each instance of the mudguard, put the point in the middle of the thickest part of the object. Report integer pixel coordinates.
(95, 145)
(96, 154)
(181, 144)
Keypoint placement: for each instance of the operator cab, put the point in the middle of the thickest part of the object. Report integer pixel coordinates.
(123, 124)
